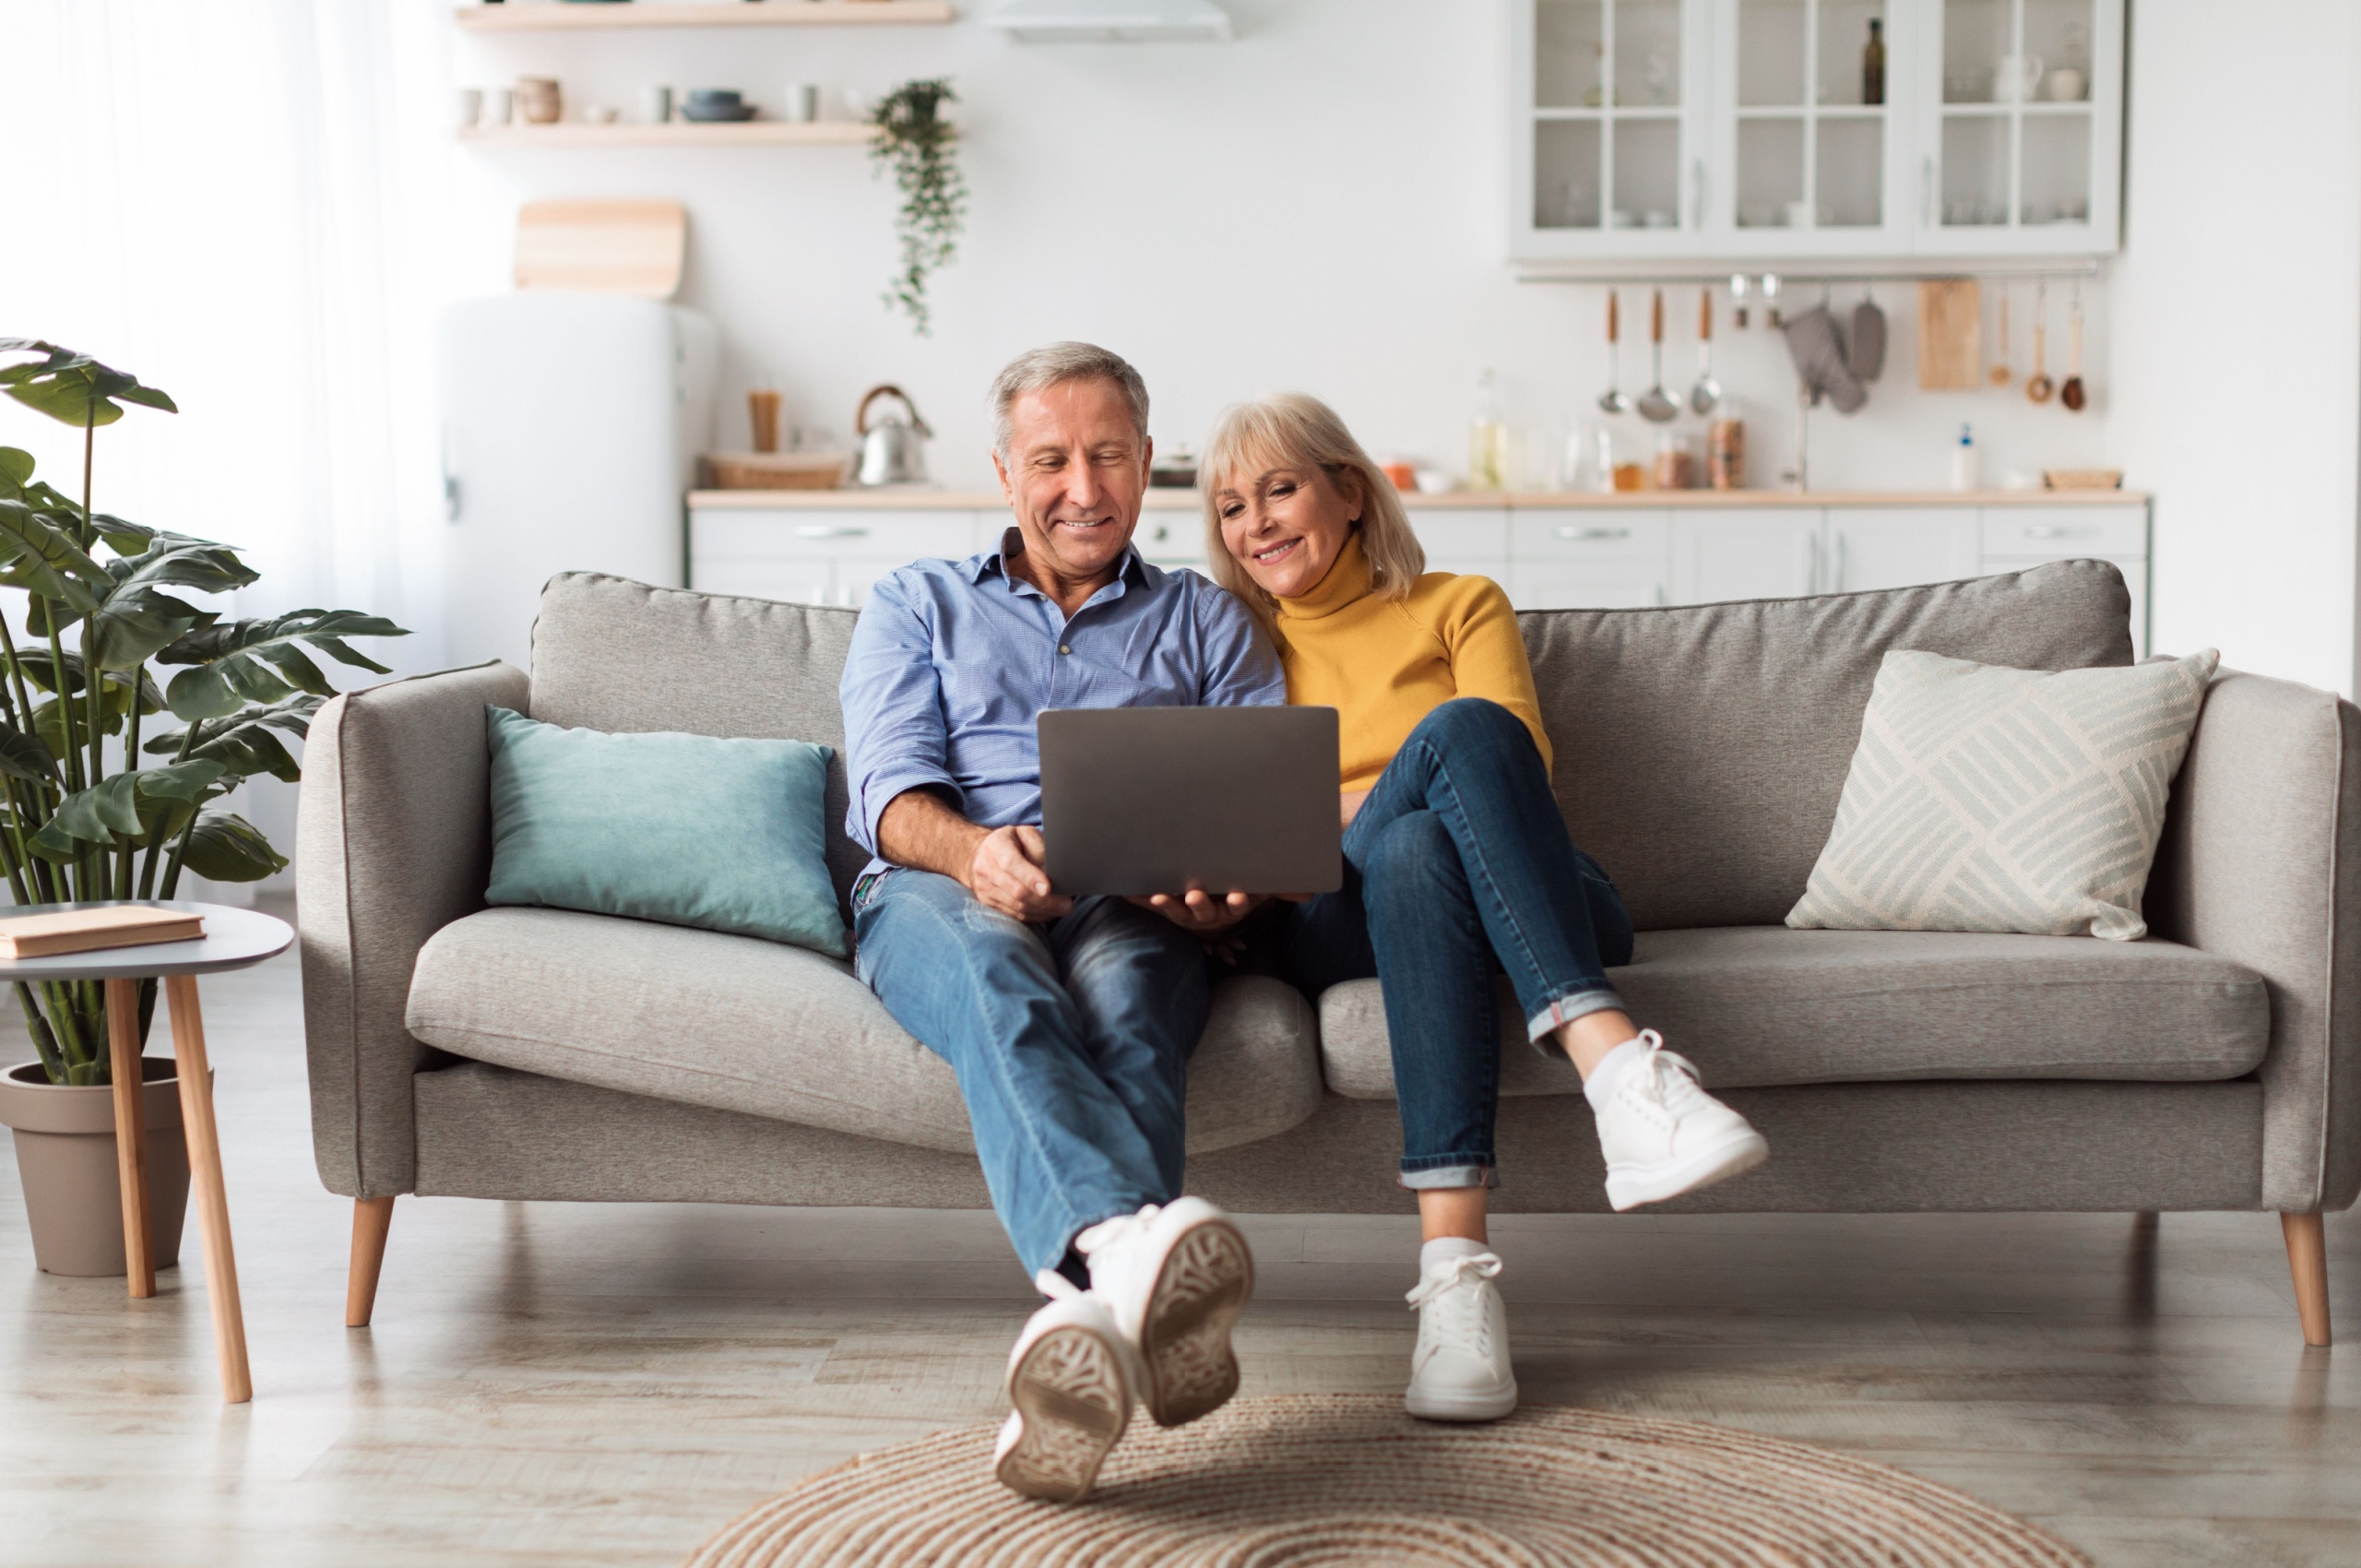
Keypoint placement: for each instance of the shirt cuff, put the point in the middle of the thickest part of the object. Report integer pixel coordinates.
(879, 790)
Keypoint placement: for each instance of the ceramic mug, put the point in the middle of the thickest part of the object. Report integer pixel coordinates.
(2065, 85)
(803, 103)
(539, 101)
(657, 102)
(2015, 78)
(470, 105)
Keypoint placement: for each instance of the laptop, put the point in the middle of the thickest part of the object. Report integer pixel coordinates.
(1162, 800)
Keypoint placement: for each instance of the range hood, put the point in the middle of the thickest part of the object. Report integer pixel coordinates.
(1111, 21)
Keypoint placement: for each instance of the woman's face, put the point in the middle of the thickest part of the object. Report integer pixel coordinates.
(1287, 524)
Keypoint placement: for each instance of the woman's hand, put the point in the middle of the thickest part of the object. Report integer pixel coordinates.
(1350, 804)
(1199, 912)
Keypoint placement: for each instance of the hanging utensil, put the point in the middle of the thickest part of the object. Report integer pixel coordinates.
(2000, 371)
(2072, 394)
(1771, 317)
(2038, 385)
(1738, 312)
(1865, 352)
(1656, 404)
(1707, 396)
(1612, 400)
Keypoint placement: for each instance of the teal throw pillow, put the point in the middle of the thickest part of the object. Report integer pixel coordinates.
(688, 829)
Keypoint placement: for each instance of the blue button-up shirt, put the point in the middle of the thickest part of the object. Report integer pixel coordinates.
(950, 663)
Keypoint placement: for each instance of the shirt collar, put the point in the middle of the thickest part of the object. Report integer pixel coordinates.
(1346, 582)
(1134, 573)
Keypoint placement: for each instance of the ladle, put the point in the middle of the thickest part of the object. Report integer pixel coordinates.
(1656, 404)
(2038, 386)
(1707, 396)
(2072, 394)
(1612, 400)
(2001, 366)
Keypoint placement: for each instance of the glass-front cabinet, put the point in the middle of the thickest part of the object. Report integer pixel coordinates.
(1786, 129)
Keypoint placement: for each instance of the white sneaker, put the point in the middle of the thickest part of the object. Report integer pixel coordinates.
(1460, 1370)
(1175, 1278)
(1663, 1135)
(1071, 1379)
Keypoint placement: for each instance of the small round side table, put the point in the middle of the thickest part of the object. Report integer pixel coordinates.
(233, 939)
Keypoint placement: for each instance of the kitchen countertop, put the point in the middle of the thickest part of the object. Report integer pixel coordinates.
(918, 500)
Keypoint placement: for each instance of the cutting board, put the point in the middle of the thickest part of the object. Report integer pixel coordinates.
(603, 247)
(1950, 335)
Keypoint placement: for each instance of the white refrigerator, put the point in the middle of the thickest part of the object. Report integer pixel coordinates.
(571, 427)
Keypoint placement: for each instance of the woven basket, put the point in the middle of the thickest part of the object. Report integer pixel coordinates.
(771, 470)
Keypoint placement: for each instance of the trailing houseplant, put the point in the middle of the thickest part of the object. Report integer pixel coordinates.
(83, 815)
(914, 138)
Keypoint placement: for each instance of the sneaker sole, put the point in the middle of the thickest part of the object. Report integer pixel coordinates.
(1438, 1405)
(1201, 1289)
(1071, 1391)
(1629, 1186)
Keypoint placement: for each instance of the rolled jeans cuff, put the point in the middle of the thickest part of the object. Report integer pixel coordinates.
(1565, 1010)
(1466, 1174)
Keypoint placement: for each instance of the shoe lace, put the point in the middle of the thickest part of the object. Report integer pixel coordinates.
(1670, 1079)
(1454, 1288)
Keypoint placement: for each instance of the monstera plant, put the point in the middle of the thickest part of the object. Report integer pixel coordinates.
(95, 801)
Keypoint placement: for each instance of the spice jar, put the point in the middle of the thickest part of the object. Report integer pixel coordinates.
(1726, 455)
(1673, 465)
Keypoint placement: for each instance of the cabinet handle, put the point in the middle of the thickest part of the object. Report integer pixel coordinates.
(1927, 192)
(1836, 578)
(1697, 174)
(1807, 561)
(2053, 530)
(1571, 532)
(830, 530)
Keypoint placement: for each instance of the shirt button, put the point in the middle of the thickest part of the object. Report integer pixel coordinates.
(1063, 648)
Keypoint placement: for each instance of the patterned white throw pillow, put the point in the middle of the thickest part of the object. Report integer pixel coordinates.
(1987, 799)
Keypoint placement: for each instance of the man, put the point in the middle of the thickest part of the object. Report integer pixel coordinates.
(1069, 1021)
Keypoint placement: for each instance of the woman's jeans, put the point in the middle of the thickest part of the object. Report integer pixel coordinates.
(1458, 866)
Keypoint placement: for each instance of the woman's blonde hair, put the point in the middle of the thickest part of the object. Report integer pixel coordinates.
(1292, 430)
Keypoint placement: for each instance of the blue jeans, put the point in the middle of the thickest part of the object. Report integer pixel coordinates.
(1071, 1039)
(1456, 867)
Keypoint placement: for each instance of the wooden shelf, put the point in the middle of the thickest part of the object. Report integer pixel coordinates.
(551, 14)
(679, 133)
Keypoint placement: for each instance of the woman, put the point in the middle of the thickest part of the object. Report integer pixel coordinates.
(1458, 865)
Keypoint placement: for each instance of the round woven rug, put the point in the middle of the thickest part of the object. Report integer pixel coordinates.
(1350, 1480)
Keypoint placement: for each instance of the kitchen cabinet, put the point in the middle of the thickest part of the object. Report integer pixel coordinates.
(1746, 553)
(818, 557)
(1709, 132)
(1883, 548)
(1589, 559)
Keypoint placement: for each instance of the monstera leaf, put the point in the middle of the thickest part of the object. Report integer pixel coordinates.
(243, 742)
(227, 848)
(110, 813)
(23, 756)
(242, 661)
(73, 389)
(38, 555)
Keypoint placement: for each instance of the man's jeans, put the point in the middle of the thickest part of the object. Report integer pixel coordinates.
(1456, 867)
(1071, 1040)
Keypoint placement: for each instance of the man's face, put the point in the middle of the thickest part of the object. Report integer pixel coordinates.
(1073, 474)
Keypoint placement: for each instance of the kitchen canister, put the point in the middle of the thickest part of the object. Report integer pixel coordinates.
(1726, 455)
(539, 101)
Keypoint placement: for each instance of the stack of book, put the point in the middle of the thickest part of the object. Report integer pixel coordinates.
(88, 930)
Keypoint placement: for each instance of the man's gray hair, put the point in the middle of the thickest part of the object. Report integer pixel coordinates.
(1053, 363)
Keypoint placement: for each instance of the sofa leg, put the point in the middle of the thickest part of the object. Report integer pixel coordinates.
(370, 1219)
(2308, 1260)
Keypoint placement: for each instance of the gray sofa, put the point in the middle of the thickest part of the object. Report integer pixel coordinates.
(463, 1051)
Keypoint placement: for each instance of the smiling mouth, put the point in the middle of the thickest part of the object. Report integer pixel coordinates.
(1275, 552)
(1084, 523)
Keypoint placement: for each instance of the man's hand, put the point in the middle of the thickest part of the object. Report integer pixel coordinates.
(1006, 875)
(1199, 912)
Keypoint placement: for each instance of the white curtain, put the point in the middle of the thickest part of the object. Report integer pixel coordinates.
(242, 202)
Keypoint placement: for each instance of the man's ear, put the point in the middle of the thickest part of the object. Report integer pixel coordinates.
(1007, 491)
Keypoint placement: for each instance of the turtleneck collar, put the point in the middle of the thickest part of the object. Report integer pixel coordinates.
(1346, 582)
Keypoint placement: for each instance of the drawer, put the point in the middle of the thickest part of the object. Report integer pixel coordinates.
(802, 535)
(2064, 531)
(1464, 534)
(1590, 534)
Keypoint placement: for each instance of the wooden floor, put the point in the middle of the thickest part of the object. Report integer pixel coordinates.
(553, 1383)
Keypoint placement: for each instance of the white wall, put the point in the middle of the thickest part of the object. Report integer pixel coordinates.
(1318, 204)
(2237, 313)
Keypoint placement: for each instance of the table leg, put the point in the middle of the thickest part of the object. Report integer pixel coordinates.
(130, 1134)
(212, 1197)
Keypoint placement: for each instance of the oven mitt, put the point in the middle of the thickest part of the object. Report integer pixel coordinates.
(1866, 356)
(1819, 351)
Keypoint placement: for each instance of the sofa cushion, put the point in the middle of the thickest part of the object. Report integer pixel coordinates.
(1701, 749)
(1761, 1006)
(740, 1024)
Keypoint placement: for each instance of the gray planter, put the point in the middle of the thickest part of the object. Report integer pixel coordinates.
(65, 1153)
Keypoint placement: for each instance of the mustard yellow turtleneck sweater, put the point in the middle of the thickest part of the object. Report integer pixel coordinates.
(1384, 664)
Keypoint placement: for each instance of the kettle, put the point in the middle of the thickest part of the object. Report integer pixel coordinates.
(890, 453)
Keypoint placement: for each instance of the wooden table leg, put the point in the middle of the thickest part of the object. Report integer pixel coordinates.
(212, 1197)
(130, 1134)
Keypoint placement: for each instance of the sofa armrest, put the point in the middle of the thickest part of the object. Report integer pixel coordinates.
(393, 842)
(2261, 862)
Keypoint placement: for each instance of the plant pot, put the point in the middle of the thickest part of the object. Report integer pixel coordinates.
(65, 1153)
